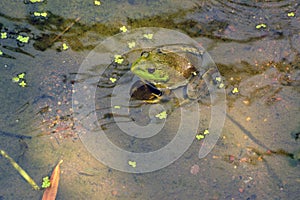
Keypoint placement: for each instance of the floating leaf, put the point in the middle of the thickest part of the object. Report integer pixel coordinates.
(23, 39)
(3, 35)
(131, 44)
(259, 26)
(234, 91)
(199, 137)
(23, 83)
(46, 182)
(40, 14)
(218, 79)
(37, 14)
(97, 3)
(162, 115)
(148, 36)
(123, 29)
(50, 192)
(64, 46)
(36, 1)
(112, 79)
(22, 75)
(132, 163)
(15, 79)
(221, 85)
(119, 59)
(291, 14)
(206, 132)
(44, 14)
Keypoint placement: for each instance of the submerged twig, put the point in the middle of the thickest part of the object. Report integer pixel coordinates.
(20, 170)
(66, 29)
(248, 133)
(19, 136)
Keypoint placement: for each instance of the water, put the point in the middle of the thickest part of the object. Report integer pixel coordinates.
(253, 159)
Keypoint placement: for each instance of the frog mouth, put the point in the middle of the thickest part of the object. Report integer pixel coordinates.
(156, 76)
(156, 79)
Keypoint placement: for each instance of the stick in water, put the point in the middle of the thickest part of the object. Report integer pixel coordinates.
(20, 170)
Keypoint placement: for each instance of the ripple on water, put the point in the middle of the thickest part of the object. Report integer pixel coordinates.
(237, 20)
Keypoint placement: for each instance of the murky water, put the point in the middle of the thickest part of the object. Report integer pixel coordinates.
(255, 46)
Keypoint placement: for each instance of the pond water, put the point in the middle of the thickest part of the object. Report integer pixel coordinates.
(255, 46)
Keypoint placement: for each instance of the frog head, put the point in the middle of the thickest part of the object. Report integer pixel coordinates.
(149, 68)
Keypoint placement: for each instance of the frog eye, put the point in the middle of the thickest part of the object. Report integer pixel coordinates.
(151, 70)
(145, 54)
(159, 51)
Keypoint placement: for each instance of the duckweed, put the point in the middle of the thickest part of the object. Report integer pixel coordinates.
(36, 1)
(15, 79)
(199, 136)
(23, 39)
(148, 36)
(291, 14)
(131, 44)
(46, 182)
(221, 85)
(23, 83)
(40, 14)
(218, 79)
(259, 26)
(119, 59)
(97, 3)
(206, 131)
(21, 75)
(123, 29)
(65, 46)
(20, 78)
(113, 80)
(132, 163)
(234, 91)
(162, 115)
(3, 35)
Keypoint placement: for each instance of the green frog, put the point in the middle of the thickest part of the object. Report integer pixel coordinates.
(169, 69)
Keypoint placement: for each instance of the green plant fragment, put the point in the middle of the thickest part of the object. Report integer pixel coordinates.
(162, 115)
(46, 182)
(3, 35)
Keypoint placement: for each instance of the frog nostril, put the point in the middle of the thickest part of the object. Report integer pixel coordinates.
(151, 70)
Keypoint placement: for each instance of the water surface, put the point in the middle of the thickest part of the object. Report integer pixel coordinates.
(256, 155)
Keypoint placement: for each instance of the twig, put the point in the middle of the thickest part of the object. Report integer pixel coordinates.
(20, 170)
(66, 29)
(15, 135)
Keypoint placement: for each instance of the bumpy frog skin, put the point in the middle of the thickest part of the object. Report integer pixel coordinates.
(169, 68)
(166, 70)
(147, 68)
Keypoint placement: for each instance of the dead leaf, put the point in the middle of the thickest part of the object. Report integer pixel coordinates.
(50, 192)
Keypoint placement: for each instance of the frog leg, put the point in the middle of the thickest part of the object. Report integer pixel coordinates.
(164, 97)
(155, 100)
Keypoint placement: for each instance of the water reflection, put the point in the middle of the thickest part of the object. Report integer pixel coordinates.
(238, 19)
